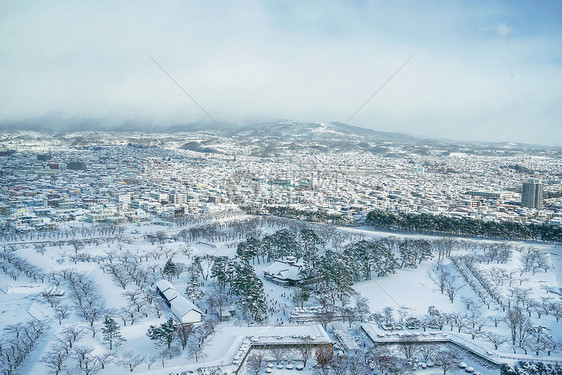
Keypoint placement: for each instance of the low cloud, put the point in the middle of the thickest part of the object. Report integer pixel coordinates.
(500, 29)
(311, 61)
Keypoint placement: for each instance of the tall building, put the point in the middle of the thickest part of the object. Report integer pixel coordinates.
(76, 165)
(531, 194)
(43, 157)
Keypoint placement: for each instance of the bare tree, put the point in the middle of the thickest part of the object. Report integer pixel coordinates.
(354, 365)
(195, 350)
(151, 360)
(380, 357)
(557, 310)
(496, 319)
(439, 275)
(130, 312)
(388, 314)
(458, 320)
(324, 356)
(61, 311)
(163, 356)
(71, 334)
(130, 360)
(426, 351)
(518, 324)
(496, 339)
(305, 349)
(349, 314)
(339, 365)
(447, 359)
(105, 359)
(90, 365)
(55, 358)
(255, 362)
(468, 302)
(409, 346)
(361, 307)
(451, 288)
(218, 298)
(40, 247)
(325, 316)
(77, 245)
(171, 352)
(474, 317)
(277, 353)
(183, 333)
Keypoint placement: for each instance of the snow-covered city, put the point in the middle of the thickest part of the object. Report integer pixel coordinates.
(134, 253)
(253, 187)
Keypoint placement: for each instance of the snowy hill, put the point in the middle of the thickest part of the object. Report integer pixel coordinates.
(319, 130)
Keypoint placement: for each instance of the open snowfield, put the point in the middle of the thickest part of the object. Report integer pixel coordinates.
(14, 305)
(411, 288)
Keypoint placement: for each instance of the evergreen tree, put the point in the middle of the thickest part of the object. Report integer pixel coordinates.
(248, 249)
(255, 299)
(219, 270)
(311, 241)
(268, 248)
(111, 333)
(336, 271)
(164, 334)
(408, 254)
(254, 246)
(286, 244)
(248, 286)
(196, 267)
(193, 289)
(170, 269)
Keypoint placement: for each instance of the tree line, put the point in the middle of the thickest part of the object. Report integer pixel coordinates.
(438, 224)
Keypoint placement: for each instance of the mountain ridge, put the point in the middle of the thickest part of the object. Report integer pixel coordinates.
(280, 129)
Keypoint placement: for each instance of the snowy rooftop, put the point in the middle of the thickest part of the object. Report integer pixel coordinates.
(284, 270)
(182, 306)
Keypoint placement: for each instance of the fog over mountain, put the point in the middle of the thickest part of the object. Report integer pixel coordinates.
(488, 71)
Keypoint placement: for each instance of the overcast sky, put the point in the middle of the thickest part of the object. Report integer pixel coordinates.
(482, 70)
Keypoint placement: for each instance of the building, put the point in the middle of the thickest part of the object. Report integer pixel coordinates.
(43, 157)
(4, 209)
(285, 272)
(76, 165)
(183, 309)
(124, 198)
(178, 198)
(504, 195)
(532, 194)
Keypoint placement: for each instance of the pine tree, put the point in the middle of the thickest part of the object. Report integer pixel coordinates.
(111, 333)
(255, 299)
(311, 240)
(253, 245)
(285, 244)
(163, 335)
(249, 287)
(170, 269)
(193, 290)
(219, 270)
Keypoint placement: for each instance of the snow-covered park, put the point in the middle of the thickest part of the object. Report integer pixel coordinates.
(359, 300)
